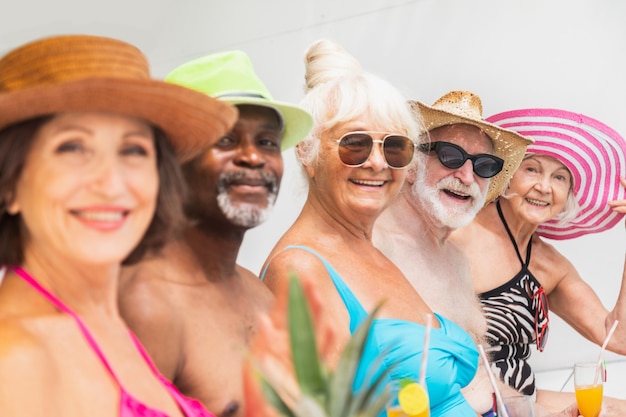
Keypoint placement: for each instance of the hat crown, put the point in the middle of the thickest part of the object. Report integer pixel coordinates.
(98, 74)
(70, 58)
(225, 74)
(461, 103)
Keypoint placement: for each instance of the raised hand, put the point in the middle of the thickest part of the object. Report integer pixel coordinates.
(619, 205)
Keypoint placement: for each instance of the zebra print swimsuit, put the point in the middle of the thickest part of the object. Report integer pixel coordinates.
(510, 312)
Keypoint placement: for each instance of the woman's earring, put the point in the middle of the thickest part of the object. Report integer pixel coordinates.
(12, 208)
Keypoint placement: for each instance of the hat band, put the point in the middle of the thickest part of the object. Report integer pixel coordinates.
(252, 95)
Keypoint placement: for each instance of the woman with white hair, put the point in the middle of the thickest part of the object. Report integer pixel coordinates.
(355, 160)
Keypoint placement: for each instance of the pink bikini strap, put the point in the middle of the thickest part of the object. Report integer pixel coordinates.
(86, 333)
(144, 354)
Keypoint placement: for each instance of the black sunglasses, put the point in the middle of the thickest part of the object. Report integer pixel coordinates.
(355, 148)
(453, 156)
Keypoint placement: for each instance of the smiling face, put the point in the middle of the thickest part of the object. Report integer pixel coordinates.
(453, 196)
(88, 189)
(239, 175)
(539, 188)
(354, 191)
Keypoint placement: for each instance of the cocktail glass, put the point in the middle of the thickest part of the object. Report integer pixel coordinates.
(588, 383)
(519, 406)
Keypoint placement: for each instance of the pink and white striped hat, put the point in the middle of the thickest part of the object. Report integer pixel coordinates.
(594, 153)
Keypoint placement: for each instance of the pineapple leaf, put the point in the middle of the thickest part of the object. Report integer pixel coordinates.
(368, 402)
(325, 393)
(273, 398)
(376, 405)
(309, 407)
(340, 389)
(306, 361)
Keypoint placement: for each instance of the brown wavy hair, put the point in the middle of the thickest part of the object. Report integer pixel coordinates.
(15, 143)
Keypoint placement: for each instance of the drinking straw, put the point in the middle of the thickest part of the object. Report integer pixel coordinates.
(606, 342)
(429, 325)
(502, 411)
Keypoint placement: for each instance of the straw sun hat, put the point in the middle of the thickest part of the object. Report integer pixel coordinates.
(92, 73)
(465, 107)
(229, 76)
(594, 153)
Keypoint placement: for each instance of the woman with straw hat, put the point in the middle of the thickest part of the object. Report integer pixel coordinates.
(570, 183)
(89, 179)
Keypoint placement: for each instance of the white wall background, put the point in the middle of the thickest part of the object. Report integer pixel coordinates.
(513, 53)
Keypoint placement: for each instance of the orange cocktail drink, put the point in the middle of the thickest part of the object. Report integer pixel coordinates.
(397, 412)
(589, 399)
(588, 382)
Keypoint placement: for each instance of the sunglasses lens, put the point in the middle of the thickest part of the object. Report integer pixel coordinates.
(450, 156)
(355, 148)
(398, 151)
(487, 166)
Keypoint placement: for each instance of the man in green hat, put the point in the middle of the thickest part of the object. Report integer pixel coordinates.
(194, 309)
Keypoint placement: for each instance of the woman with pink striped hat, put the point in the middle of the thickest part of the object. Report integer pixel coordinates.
(570, 183)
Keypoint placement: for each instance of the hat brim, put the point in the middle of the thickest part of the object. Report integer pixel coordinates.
(594, 153)
(191, 120)
(297, 121)
(508, 145)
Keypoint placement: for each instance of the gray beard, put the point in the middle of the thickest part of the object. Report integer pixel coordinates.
(453, 217)
(245, 215)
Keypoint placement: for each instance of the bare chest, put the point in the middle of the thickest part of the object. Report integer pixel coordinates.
(217, 337)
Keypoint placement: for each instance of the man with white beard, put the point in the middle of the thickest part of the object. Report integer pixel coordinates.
(463, 163)
(194, 309)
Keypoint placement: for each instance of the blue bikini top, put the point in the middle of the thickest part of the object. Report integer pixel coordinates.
(452, 354)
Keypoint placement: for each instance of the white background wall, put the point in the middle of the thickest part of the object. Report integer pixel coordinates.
(513, 53)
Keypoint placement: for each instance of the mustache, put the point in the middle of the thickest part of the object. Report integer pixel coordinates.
(455, 185)
(249, 176)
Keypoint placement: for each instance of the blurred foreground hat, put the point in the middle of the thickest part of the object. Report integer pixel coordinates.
(465, 107)
(92, 73)
(594, 153)
(229, 76)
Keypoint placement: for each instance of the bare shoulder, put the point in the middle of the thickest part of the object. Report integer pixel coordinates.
(257, 290)
(17, 343)
(542, 248)
(28, 366)
(548, 264)
(149, 290)
(285, 262)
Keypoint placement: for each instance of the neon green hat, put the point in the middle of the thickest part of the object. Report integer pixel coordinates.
(229, 76)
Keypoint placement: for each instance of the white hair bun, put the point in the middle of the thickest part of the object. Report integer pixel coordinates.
(325, 61)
